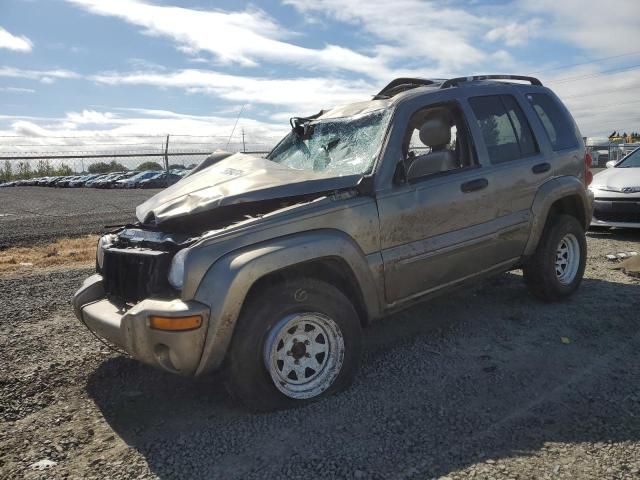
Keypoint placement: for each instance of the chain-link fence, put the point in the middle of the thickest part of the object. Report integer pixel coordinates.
(22, 158)
(601, 154)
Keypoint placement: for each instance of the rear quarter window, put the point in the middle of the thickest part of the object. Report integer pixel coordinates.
(555, 120)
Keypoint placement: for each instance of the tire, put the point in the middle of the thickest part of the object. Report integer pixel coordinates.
(555, 270)
(264, 348)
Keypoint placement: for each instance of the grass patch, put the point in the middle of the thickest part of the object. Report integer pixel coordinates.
(63, 252)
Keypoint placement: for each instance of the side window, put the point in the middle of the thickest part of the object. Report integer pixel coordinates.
(505, 129)
(436, 141)
(555, 121)
(528, 145)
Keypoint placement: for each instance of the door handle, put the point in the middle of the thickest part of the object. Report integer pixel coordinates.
(541, 167)
(474, 185)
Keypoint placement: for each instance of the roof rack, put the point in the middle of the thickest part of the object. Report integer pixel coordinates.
(453, 82)
(400, 85)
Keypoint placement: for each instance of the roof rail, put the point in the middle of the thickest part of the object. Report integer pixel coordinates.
(400, 85)
(453, 82)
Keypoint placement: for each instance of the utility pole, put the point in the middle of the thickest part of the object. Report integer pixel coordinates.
(166, 161)
(243, 146)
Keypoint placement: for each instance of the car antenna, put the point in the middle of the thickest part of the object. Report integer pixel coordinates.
(235, 125)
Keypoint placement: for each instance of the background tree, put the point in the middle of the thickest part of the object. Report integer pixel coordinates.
(99, 167)
(63, 170)
(176, 166)
(43, 168)
(24, 170)
(104, 167)
(149, 166)
(489, 129)
(117, 167)
(7, 171)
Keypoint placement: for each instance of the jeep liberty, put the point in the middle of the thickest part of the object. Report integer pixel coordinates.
(269, 268)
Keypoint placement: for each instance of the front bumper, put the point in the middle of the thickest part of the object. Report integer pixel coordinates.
(621, 212)
(173, 351)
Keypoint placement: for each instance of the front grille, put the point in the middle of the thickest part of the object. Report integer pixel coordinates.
(624, 210)
(133, 274)
(622, 217)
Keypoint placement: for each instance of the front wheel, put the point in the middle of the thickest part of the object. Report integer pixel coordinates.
(295, 342)
(555, 270)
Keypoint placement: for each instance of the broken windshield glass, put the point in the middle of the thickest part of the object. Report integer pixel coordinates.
(335, 146)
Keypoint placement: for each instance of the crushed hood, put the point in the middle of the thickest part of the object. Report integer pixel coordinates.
(236, 179)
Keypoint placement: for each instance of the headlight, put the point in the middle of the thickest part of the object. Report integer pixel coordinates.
(104, 242)
(176, 272)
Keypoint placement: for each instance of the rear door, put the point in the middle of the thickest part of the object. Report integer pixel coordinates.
(515, 165)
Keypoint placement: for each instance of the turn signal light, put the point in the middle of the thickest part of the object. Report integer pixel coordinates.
(175, 324)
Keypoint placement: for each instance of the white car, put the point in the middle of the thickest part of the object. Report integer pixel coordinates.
(617, 193)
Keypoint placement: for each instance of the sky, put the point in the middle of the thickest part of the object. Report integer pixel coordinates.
(112, 70)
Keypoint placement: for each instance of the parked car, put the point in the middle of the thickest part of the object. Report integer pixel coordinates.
(270, 267)
(617, 194)
(64, 181)
(132, 182)
(160, 180)
(106, 180)
(97, 178)
(80, 181)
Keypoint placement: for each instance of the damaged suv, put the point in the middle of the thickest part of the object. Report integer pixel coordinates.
(268, 268)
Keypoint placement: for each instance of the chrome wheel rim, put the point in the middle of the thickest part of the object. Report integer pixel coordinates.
(567, 259)
(303, 354)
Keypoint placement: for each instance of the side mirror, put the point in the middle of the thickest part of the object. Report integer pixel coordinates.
(610, 163)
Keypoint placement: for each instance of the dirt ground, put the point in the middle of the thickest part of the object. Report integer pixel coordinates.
(485, 383)
(31, 215)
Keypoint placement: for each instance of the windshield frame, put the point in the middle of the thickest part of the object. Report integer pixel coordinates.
(627, 157)
(388, 112)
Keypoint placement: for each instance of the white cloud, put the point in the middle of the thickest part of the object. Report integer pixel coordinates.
(17, 90)
(133, 129)
(15, 43)
(44, 76)
(605, 28)
(243, 38)
(601, 103)
(91, 117)
(515, 34)
(413, 31)
(303, 94)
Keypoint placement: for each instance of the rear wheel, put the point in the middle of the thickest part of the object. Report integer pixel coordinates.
(555, 270)
(295, 342)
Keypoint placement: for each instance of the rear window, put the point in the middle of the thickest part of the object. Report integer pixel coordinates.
(554, 118)
(505, 129)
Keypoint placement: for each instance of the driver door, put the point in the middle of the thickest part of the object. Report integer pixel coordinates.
(437, 230)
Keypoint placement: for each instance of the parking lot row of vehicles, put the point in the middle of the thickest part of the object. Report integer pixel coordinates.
(133, 179)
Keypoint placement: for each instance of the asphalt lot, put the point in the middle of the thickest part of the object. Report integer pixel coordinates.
(484, 383)
(39, 214)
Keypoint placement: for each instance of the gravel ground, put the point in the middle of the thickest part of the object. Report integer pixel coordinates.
(39, 214)
(477, 384)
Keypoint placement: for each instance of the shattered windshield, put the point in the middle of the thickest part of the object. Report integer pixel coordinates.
(336, 146)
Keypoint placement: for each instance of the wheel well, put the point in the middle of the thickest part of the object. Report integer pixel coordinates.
(570, 205)
(332, 270)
